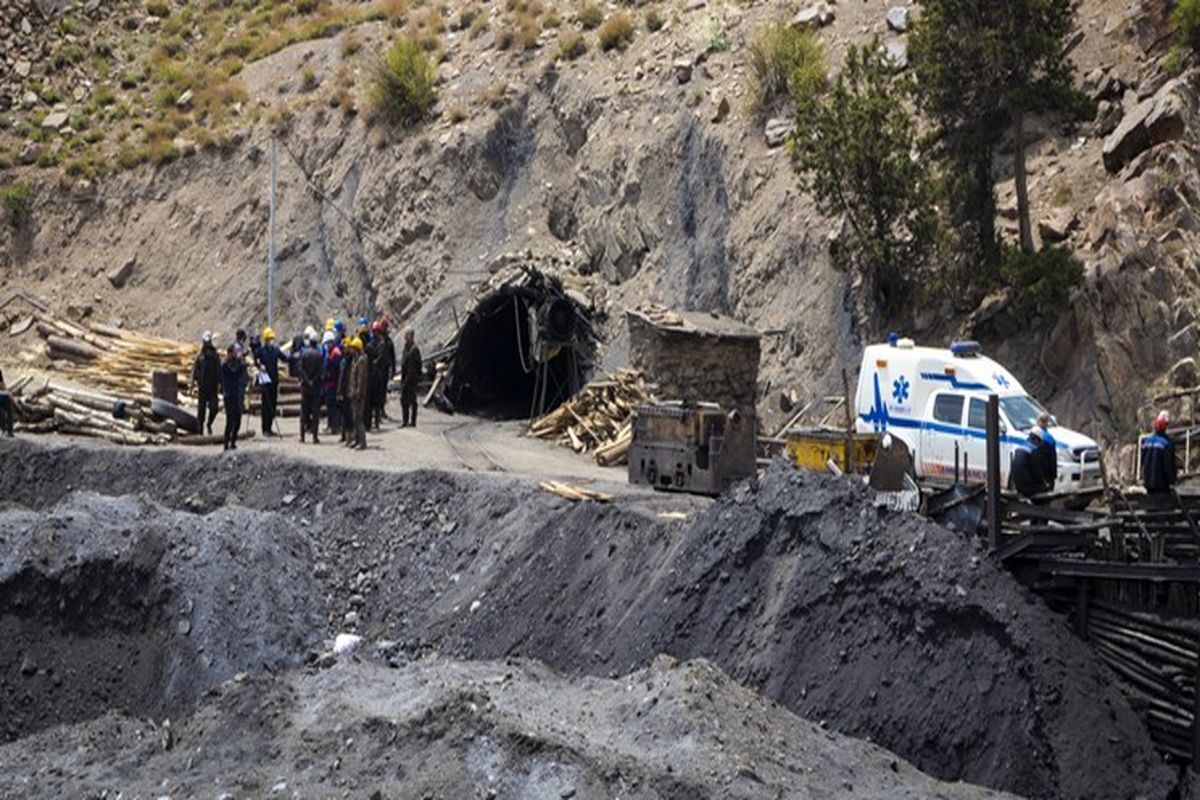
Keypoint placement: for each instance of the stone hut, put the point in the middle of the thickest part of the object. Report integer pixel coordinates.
(697, 356)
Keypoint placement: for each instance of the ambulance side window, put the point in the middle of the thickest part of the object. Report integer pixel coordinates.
(977, 417)
(948, 408)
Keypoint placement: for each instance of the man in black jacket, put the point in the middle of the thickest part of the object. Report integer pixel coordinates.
(1030, 473)
(206, 381)
(1045, 459)
(382, 353)
(7, 412)
(310, 368)
(233, 391)
(410, 378)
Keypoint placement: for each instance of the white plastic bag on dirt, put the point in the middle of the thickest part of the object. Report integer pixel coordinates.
(346, 643)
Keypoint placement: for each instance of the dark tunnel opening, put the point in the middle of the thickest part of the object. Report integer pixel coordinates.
(518, 356)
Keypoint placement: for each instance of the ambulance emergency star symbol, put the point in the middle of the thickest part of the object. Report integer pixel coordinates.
(900, 389)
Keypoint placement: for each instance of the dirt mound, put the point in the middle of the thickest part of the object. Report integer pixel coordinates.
(882, 626)
(453, 730)
(120, 603)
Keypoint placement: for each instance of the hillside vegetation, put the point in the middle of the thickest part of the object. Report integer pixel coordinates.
(643, 145)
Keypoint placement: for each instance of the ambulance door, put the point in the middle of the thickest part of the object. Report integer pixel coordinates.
(942, 434)
(975, 441)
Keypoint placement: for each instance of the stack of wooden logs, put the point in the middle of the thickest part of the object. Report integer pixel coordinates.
(53, 406)
(119, 362)
(1157, 661)
(599, 419)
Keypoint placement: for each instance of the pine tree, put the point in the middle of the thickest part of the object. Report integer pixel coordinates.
(855, 151)
(980, 65)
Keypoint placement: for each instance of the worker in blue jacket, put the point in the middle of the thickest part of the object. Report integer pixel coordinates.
(268, 357)
(1159, 471)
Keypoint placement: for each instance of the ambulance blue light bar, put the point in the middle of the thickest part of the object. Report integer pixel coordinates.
(965, 349)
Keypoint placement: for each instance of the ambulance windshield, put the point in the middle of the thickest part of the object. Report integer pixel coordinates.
(1021, 411)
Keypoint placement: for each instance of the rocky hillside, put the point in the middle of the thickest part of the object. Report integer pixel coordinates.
(643, 165)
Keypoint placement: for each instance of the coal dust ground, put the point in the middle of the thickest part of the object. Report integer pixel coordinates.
(177, 573)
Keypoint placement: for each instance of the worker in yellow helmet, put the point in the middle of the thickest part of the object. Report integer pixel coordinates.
(329, 324)
(267, 358)
(359, 392)
(345, 369)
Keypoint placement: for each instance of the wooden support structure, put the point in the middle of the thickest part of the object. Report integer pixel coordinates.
(993, 471)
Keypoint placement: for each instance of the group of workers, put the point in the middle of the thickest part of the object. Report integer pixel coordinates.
(343, 375)
(1035, 466)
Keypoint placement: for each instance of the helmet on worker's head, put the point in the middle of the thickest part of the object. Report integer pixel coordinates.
(310, 333)
(329, 324)
(383, 324)
(355, 343)
(364, 324)
(1162, 421)
(207, 337)
(376, 326)
(268, 334)
(328, 337)
(339, 326)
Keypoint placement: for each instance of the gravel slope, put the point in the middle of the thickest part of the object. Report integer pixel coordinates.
(882, 626)
(445, 729)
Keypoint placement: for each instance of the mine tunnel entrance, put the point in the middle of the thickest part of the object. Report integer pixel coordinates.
(521, 353)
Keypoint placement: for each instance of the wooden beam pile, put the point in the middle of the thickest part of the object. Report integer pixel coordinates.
(1157, 662)
(119, 362)
(51, 406)
(599, 419)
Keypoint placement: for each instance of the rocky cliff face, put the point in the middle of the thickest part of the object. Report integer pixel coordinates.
(647, 170)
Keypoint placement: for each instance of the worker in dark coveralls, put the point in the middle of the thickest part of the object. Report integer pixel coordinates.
(360, 392)
(206, 381)
(1034, 466)
(233, 392)
(7, 412)
(310, 368)
(410, 378)
(382, 354)
(1159, 471)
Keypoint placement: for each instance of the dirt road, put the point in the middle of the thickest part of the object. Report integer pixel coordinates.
(457, 443)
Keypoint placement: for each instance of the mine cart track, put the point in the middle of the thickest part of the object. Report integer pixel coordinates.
(463, 441)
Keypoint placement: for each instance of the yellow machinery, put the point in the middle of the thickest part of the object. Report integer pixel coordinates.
(814, 448)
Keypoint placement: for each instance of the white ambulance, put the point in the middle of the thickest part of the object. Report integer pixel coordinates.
(935, 401)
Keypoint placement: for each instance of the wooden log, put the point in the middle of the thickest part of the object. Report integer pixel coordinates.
(1140, 641)
(111, 436)
(69, 348)
(96, 400)
(107, 330)
(81, 417)
(43, 426)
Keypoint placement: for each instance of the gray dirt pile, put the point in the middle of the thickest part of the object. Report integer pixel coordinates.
(882, 626)
(441, 729)
(121, 603)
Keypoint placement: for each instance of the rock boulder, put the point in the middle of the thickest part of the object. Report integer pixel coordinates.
(1157, 119)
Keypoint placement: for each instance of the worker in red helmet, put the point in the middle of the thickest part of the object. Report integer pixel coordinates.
(382, 354)
(1159, 471)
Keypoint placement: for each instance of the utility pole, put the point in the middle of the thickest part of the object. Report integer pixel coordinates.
(271, 246)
